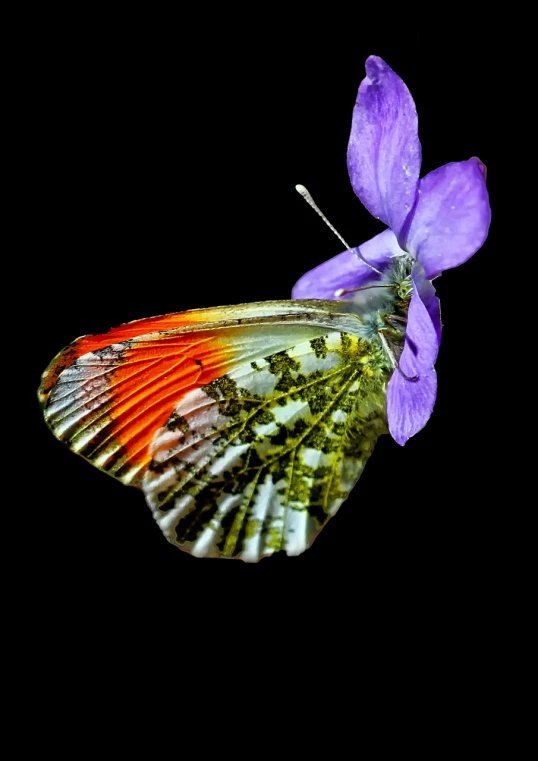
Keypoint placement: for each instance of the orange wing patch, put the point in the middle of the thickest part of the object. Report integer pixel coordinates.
(126, 332)
(106, 398)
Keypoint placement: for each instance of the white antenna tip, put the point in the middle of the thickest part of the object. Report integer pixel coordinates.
(339, 292)
(308, 198)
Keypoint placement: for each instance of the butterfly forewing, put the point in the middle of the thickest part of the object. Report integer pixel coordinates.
(260, 458)
(106, 395)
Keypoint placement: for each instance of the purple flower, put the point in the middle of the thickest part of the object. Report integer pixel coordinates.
(434, 223)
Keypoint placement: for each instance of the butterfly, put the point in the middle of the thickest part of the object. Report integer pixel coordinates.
(245, 426)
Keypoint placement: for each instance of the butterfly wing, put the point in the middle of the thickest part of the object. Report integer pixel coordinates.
(245, 427)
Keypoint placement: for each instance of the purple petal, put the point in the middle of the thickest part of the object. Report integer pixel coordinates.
(346, 270)
(451, 218)
(410, 403)
(384, 152)
(426, 292)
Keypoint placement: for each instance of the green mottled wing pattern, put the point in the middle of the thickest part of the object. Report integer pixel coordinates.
(259, 459)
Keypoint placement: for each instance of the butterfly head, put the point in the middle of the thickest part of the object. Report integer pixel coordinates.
(382, 303)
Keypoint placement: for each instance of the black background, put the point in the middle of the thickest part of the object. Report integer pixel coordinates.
(164, 180)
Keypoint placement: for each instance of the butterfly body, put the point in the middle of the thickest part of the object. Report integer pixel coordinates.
(245, 427)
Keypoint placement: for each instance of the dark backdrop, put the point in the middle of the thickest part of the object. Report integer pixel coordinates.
(165, 181)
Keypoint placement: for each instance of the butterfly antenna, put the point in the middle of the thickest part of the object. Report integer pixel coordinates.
(308, 198)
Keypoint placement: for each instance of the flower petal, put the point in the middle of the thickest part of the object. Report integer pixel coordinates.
(451, 218)
(346, 270)
(384, 152)
(410, 403)
(426, 292)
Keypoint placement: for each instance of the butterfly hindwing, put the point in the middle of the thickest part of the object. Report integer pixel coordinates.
(259, 459)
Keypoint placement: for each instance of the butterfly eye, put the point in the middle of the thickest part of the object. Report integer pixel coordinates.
(405, 288)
